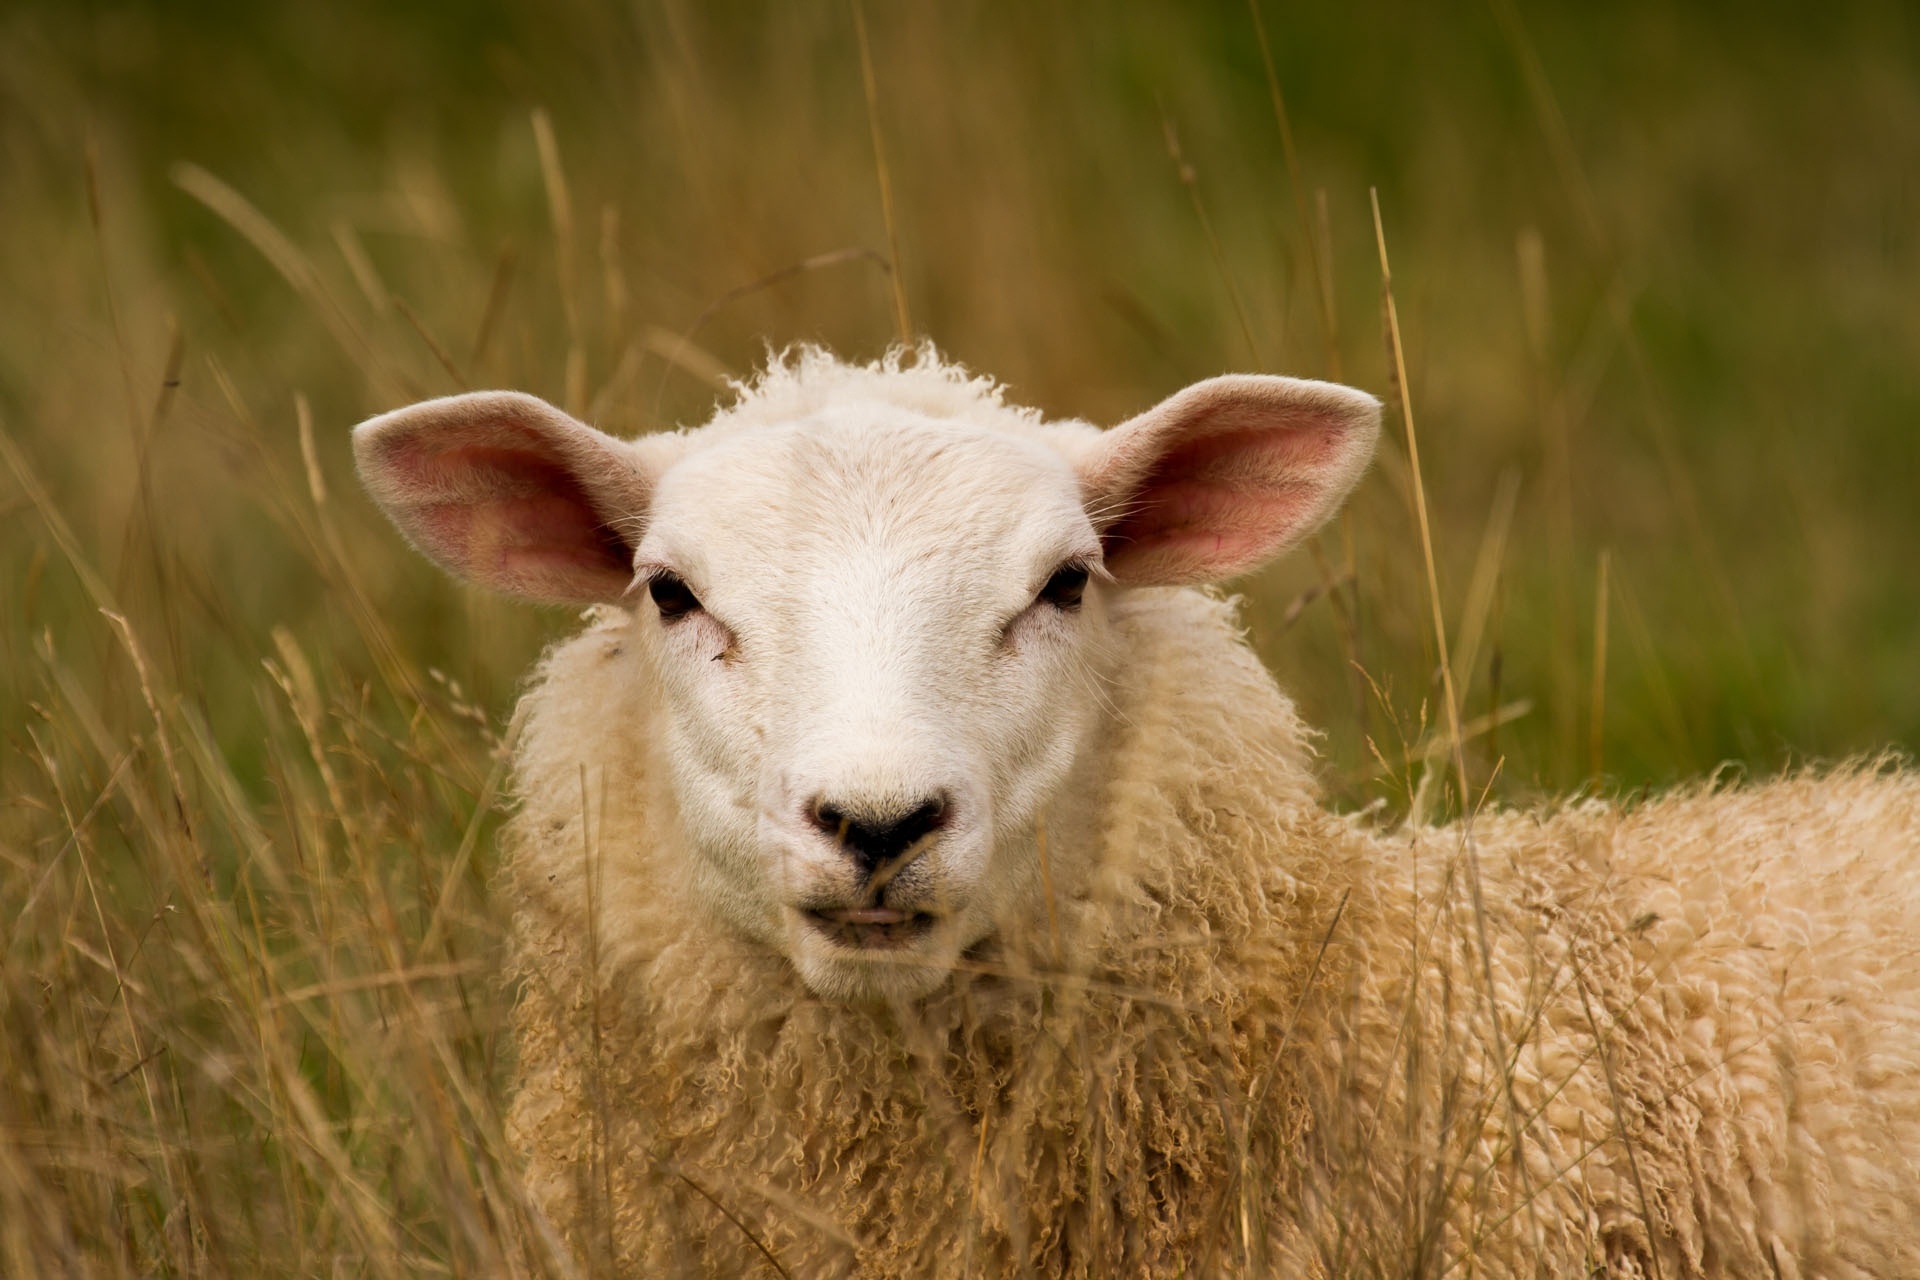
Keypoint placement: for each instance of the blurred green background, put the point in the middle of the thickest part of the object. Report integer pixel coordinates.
(1655, 265)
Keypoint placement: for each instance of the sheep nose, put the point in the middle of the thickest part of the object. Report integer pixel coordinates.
(880, 838)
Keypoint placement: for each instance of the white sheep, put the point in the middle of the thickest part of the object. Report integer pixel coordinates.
(914, 875)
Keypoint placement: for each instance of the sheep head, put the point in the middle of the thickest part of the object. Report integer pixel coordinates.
(878, 631)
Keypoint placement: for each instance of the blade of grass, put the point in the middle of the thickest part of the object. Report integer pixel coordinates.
(1467, 845)
(902, 318)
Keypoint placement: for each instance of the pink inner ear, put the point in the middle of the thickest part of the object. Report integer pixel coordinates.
(1220, 504)
(513, 519)
(520, 543)
(1195, 531)
(1257, 450)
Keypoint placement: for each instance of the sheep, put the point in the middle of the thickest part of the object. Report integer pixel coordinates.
(915, 873)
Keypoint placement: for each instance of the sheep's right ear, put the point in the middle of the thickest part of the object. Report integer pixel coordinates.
(510, 493)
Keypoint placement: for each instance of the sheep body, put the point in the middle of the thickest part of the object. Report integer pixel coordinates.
(1713, 1021)
(1732, 959)
(1214, 1028)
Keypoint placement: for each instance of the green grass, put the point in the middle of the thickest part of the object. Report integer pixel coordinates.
(1654, 270)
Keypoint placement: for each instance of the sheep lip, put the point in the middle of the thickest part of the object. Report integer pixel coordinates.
(870, 928)
(868, 915)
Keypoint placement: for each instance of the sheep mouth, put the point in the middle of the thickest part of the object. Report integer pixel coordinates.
(871, 928)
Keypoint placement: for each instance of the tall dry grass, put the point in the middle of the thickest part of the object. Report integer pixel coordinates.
(1654, 285)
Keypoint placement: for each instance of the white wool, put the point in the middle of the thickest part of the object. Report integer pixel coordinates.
(1174, 1016)
(801, 381)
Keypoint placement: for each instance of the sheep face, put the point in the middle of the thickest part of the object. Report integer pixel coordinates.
(879, 645)
(878, 634)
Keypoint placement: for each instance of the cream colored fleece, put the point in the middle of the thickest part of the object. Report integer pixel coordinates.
(1247, 1036)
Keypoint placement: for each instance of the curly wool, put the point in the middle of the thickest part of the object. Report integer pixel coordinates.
(1708, 1004)
(1707, 1041)
(1243, 1035)
(1053, 1113)
(804, 379)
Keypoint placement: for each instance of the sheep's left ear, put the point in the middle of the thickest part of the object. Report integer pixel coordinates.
(1220, 478)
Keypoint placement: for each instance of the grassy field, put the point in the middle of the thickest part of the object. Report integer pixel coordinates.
(1654, 271)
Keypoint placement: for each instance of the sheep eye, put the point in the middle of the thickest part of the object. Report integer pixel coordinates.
(1066, 587)
(672, 596)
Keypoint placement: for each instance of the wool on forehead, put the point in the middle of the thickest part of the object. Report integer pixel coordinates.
(805, 379)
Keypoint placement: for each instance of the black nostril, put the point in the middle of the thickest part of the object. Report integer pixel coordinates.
(829, 819)
(877, 835)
